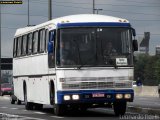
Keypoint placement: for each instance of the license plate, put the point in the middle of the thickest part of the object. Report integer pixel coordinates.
(97, 95)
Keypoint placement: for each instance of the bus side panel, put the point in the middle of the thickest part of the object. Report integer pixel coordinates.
(31, 65)
(37, 90)
(18, 87)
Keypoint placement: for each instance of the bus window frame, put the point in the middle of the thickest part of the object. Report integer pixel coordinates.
(37, 42)
(19, 53)
(44, 41)
(29, 51)
(26, 46)
(15, 48)
(53, 53)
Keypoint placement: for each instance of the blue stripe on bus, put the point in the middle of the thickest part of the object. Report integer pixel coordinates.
(82, 93)
(92, 24)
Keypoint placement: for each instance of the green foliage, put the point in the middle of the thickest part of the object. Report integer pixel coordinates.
(147, 69)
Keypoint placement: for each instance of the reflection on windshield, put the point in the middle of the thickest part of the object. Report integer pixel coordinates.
(94, 47)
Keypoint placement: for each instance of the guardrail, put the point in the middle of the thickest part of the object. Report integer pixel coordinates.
(148, 91)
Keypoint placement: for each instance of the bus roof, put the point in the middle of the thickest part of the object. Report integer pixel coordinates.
(81, 18)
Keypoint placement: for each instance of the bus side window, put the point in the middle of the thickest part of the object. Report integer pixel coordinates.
(15, 48)
(46, 39)
(19, 46)
(29, 43)
(41, 40)
(35, 42)
(51, 50)
(24, 44)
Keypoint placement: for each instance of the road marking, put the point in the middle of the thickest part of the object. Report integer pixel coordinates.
(3, 107)
(14, 108)
(25, 110)
(40, 113)
(5, 97)
(31, 118)
(11, 116)
(56, 117)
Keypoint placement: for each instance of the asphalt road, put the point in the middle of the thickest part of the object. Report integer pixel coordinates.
(18, 112)
(146, 102)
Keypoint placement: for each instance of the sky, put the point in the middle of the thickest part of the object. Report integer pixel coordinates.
(144, 16)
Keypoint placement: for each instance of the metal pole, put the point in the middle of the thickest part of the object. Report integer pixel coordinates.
(93, 6)
(28, 12)
(97, 10)
(49, 9)
(0, 49)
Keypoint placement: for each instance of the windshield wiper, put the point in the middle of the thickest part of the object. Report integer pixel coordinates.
(89, 60)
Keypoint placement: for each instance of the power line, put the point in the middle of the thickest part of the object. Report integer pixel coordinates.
(9, 27)
(22, 14)
(132, 12)
(77, 3)
(84, 8)
(103, 9)
(135, 1)
(110, 10)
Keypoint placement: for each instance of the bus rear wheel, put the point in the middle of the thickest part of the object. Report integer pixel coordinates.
(59, 109)
(119, 108)
(28, 105)
(19, 102)
(38, 106)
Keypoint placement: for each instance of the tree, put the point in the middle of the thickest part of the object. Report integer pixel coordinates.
(147, 69)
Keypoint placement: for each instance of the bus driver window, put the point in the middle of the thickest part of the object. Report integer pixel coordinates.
(51, 50)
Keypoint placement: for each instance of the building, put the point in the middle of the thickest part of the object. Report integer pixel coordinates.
(158, 50)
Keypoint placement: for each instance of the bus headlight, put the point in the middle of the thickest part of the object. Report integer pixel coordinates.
(119, 96)
(66, 97)
(127, 96)
(75, 97)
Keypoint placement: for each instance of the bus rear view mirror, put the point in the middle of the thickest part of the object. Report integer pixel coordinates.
(135, 45)
(50, 47)
(133, 32)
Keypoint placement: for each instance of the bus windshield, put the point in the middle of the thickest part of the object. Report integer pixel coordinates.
(105, 46)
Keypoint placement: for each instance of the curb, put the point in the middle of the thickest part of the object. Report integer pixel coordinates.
(143, 110)
(4, 97)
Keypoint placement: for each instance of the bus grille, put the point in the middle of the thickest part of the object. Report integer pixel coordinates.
(98, 84)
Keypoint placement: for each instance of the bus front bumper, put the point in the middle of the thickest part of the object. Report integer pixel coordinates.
(94, 96)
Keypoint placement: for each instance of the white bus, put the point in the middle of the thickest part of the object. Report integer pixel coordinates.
(65, 63)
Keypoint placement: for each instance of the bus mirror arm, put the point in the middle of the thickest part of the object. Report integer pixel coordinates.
(135, 45)
(133, 32)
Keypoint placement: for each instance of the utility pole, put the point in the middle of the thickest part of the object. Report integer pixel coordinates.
(49, 9)
(28, 14)
(93, 6)
(97, 10)
(0, 50)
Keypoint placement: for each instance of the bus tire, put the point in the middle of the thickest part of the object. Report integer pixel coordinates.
(12, 100)
(59, 109)
(38, 106)
(19, 102)
(28, 105)
(119, 108)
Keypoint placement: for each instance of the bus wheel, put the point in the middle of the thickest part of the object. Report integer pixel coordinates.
(119, 108)
(12, 100)
(59, 109)
(19, 102)
(38, 106)
(28, 105)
